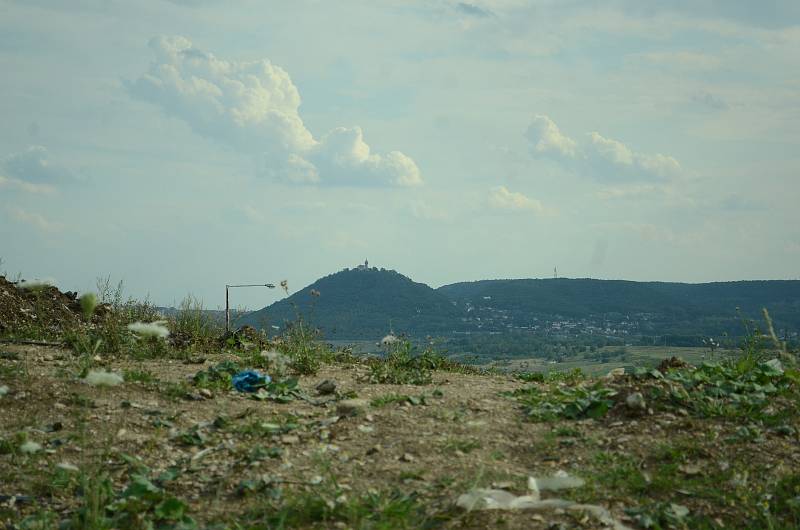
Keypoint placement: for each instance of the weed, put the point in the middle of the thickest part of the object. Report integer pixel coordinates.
(302, 345)
(218, 376)
(454, 445)
(565, 402)
(734, 389)
(139, 376)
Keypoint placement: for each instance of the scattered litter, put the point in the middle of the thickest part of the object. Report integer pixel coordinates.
(559, 481)
(3, 390)
(616, 372)
(36, 284)
(490, 499)
(66, 466)
(498, 499)
(156, 329)
(250, 381)
(103, 378)
(30, 447)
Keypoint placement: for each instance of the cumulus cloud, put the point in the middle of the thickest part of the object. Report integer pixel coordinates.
(547, 139)
(600, 157)
(503, 199)
(27, 187)
(36, 220)
(253, 106)
(34, 165)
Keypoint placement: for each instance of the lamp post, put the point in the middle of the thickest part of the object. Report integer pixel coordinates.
(227, 298)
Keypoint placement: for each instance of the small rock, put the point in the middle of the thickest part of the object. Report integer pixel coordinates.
(206, 393)
(373, 450)
(352, 407)
(635, 401)
(290, 439)
(3, 390)
(328, 386)
(407, 457)
(366, 429)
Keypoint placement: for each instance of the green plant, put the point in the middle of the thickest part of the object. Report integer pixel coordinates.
(557, 402)
(302, 345)
(88, 304)
(139, 376)
(401, 367)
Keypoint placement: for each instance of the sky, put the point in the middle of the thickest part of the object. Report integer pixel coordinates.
(179, 145)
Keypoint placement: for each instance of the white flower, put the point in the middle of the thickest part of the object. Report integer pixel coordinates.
(151, 329)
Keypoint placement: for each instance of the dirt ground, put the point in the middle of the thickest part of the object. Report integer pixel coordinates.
(460, 433)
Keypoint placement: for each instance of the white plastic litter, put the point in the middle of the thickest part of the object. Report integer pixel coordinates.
(102, 378)
(66, 466)
(559, 481)
(496, 499)
(150, 329)
(30, 447)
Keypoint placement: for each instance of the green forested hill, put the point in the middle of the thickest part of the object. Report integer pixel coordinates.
(363, 303)
(675, 307)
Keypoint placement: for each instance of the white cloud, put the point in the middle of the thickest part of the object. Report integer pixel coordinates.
(254, 107)
(598, 157)
(546, 139)
(36, 220)
(27, 187)
(34, 165)
(503, 199)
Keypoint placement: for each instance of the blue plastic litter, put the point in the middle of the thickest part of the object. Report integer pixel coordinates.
(250, 381)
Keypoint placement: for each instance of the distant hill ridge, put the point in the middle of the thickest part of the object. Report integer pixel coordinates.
(363, 302)
(367, 302)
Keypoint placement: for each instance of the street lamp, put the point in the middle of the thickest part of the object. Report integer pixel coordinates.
(227, 303)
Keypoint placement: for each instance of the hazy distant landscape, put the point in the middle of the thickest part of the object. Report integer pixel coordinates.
(551, 319)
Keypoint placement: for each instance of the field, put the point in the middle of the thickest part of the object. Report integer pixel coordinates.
(111, 423)
(636, 356)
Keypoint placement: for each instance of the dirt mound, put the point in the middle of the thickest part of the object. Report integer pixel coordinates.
(43, 307)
